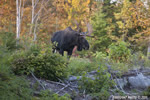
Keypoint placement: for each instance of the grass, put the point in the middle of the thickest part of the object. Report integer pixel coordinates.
(76, 66)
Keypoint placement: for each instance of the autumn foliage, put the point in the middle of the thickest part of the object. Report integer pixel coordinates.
(112, 21)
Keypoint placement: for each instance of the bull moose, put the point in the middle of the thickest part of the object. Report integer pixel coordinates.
(67, 39)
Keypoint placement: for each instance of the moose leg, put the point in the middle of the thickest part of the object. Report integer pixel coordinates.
(61, 51)
(69, 53)
(54, 50)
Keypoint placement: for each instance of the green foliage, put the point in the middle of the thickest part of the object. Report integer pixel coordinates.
(147, 92)
(12, 87)
(100, 84)
(119, 51)
(121, 67)
(146, 62)
(17, 87)
(34, 49)
(8, 40)
(45, 65)
(48, 95)
(100, 57)
(137, 60)
(102, 40)
(76, 66)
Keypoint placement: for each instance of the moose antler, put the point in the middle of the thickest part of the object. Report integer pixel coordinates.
(89, 28)
(78, 28)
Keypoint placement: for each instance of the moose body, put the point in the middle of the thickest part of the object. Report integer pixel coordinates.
(67, 39)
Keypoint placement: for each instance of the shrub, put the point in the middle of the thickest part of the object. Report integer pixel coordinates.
(100, 85)
(12, 87)
(100, 57)
(34, 49)
(120, 67)
(119, 51)
(147, 62)
(45, 65)
(138, 59)
(146, 92)
(76, 66)
(48, 95)
(8, 40)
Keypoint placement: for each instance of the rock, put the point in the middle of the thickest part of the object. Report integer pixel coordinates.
(140, 81)
(121, 82)
(94, 72)
(74, 78)
(86, 97)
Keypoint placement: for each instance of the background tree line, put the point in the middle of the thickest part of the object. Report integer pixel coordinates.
(36, 20)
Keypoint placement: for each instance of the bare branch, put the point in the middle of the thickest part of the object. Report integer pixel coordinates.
(35, 36)
(37, 80)
(37, 1)
(39, 10)
(89, 28)
(78, 28)
(62, 88)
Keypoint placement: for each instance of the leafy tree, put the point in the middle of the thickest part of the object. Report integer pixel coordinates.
(109, 9)
(133, 22)
(73, 11)
(119, 51)
(141, 20)
(7, 12)
(123, 20)
(76, 12)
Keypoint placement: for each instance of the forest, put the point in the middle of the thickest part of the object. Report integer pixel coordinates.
(116, 63)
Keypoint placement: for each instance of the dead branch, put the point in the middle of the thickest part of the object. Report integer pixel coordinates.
(58, 83)
(37, 80)
(62, 88)
(62, 84)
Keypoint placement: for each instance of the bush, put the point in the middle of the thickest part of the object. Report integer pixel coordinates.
(138, 59)
(100, 57)
(120, 67)
(119, 51)
(8, 40)
(34, 49)
(45, 65)
(48, 95)
(100, 85)
(146, 92)
(76, 66)
(12, 87)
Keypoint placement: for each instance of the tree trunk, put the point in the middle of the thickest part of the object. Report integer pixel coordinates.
(19, 14)
(32, 20)
(148, 50)
(35, 17)
(17, 19)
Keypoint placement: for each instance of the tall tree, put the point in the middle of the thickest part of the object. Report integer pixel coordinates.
(102, 40)
(74, 11)
(37, 7)
(141, 21)
(133, 21)
(19, 14)
(7, 15)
